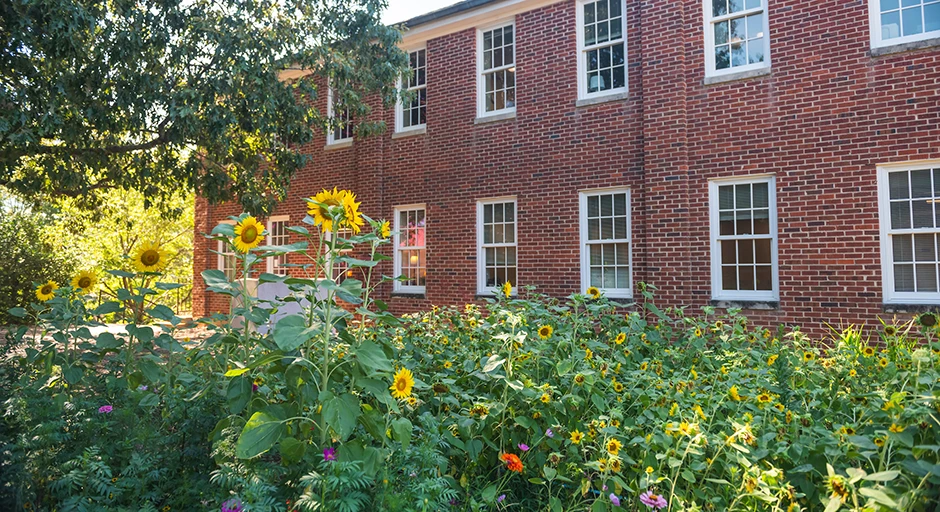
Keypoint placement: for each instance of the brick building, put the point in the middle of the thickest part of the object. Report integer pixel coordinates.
(780, 155)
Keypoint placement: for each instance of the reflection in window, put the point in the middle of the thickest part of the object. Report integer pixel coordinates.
(499, 69)
(907, 18)
(497, 244)
(737, 34)
(410, 252)
(604, 50)
(606, 249)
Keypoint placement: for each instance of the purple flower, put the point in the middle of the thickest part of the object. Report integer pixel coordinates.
(604, 488)
(653, 500)
(232, 505)
(254, 388)
(549, 433)
(501, 498)
(105, 409)
(614, 499)
(142, 387)
(329, 454)
(524, 447)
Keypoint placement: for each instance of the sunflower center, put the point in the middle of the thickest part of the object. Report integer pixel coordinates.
(46, 290)
(84, 282)
(249, 234)
(150, 257)
(401, 385)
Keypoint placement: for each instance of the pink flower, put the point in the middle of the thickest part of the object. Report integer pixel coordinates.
(653, 500)
(232, 505)
(501, 498)
(105, 409)
(329, 454)
(549, 433)
(614, 499)
(524, 447)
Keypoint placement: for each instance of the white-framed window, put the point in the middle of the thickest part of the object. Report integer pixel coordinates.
(737, 36)
(226, 261)
(410, 259)
(496, 58)
(743, 215)
(910, 231)
(602, 47)
(278, 235)
(605, 241)
(413, 115)
(496, 244)
(903, 21)
(341, 125)
(341, 268)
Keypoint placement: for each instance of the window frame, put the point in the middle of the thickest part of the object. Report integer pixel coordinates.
(583, 93)
(481, 81)
(398, 286)
(270, 266)
(331, 139)
(889, 295)
(221, 253)
(711, 71)
(585, 255)
(400, 106)
(482, 289)
(715, 238)
(874, 24)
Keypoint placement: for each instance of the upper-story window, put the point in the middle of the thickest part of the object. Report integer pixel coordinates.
(411, 113)
(910, 231)
(497, 81)
(903, 21)
(278, 235)
(602, 66)
(737, 36)
(341, 126)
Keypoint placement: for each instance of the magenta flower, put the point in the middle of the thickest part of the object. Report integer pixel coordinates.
(614, 499)
(501, 498)
(232, 505)
(254, 388)
(524, 447)
(549, 433)
(105, 409)
(329, 454)
(655, 501)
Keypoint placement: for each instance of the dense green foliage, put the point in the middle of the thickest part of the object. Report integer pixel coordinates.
(526, 403)
(158, 95)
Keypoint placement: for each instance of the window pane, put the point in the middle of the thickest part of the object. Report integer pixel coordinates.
(911, 21)
(620, 228)
(903, 248)
(726, 223)
(924, 248)
(743, 224)
(738, 55)
(746, 251)
(904, 278)
(722, 57)
(607, 229)
(746, 278)
(762, 251)
(923, 213)
(510, 209)
(891, 26)
(752, 4)
(728, 252)
(901, 215)
(738, 30)
(926, 278)
(735, 6)
(726, 197)
(729, 278)
(755, 26)
(623, 254)
(765, 281)
(897, 185)
(755, 51)
(594, 229)
(761, 195)
(932, 17)
(742, 196)
(761, 222)
(920, 184)
(721, 32)
(719, 7)
(887, 5)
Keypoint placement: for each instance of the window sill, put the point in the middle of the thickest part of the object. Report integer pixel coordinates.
(495, 117)
(765, 305)
(410, 132)
(733, 77)
(338, 145)
(905, 47)
(404, 295)
(586, 102)
(910, 308)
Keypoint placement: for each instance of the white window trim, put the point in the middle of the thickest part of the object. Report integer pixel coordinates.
(481, 83)
(400, 106)
(397, 286)
(614, 293)
(709, 31)
(220, 250)
(330, 138)
(772, 295)
(482, 289)
(279, 218)
(874, 17)
(884, 220)
(582, 54)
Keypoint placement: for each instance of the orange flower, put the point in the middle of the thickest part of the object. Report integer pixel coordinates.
(512, 462)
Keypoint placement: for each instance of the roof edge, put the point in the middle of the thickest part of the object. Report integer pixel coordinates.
(450, 10)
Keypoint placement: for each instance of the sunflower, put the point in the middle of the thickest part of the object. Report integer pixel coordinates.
(507, 289)
(545, 332)
(448, 364)
(868, 351)
(618, 387)
(764, 398)
(412, 401)
(615, 465)
(895, 428)
(882, 362)
(546, 398)
(698, 333)
(928, 320)
(879, 441)
(644, 365)
(847, 430)
(890, 330)
(853, 373)
(319, 208)
(593, 292)
(621, 337)
(402, 383)
(352, 219)
(649, 470)
(733, 393)
(150, 258)
(837, 487)
(385, 230)
(576, 436)
(772, 359)
(248, 234)
(808, 356)
(614, 446)
(46, 291)
(84, 281)
(602, 464)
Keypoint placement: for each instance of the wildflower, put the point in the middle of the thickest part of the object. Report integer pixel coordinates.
(507, 289)
(649, 470)
(248, 234)
(593, 292)
(614, 499)
(523, 447)
(46, 291)
(723, 370)
(836, 486)
(673, 409)
(764, 398)
(329, 454)
(772, 359)
(588, 353)
(142, 387)
(644, 365)
(879, 441)
(448, 364)
(385, 229)
(733, 393)
(868, 351)
(779, 407)
(895, 428)
(614, 446)
(166, 508)
(105, 409)
(602, 464)
(402, 383)
(615, 465)
(412, 401)
(501, 498)
(654, 501)
(697, 409)
(927, 320)
(84, 281)
(808, 356)
(232, 505)
(579, 379)
(788, 416)
(512, 462)
(546, 398)
(847, 430)
(114, 480)
(890, 330)
(618, 387)
(545, 332)
(853, 373)
(536, 415)
(576, 436)
(698, 332)
(150, 257)
(883, 362)
(621, 337)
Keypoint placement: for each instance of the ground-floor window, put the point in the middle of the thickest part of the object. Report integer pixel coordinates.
(226, 260)
(605, 242)
(278, 235)
(496, 244)
(410, 253)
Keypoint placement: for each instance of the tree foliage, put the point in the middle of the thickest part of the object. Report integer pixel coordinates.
(158, 95)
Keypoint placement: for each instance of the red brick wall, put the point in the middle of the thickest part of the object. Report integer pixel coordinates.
(823, 119)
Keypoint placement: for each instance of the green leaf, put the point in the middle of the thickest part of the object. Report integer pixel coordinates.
(235, 372)
(163, 313)
(107, 308)
(879, 496)
(371, 357)
(150, 400)
(292, 450)
(224, 229)
(238, 394)
(168, 286)
(882, 476)
(291, 332)
(492, 363)
(73, 375)
(107, 341)
(150, 369)
(340, 413)
(401, 431)
(121, 273)
(489, 494)
(17, 312)
(258, 436)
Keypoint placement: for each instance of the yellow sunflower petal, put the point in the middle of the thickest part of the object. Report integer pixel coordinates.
(248, 234)
(150, 257)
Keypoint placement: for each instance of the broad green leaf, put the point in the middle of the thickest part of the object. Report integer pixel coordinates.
(372, 358)
(73, 374)
(107, 341)
(292, 450)
(17, 312)
(107, 308)
(258, 436)
(291, 332)
(879, 496)
(492, 363)
(152, 372)
(340, 414)
(401, 431)
(238, 394)
(882, 476)
(150, 400)
(163, 313)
